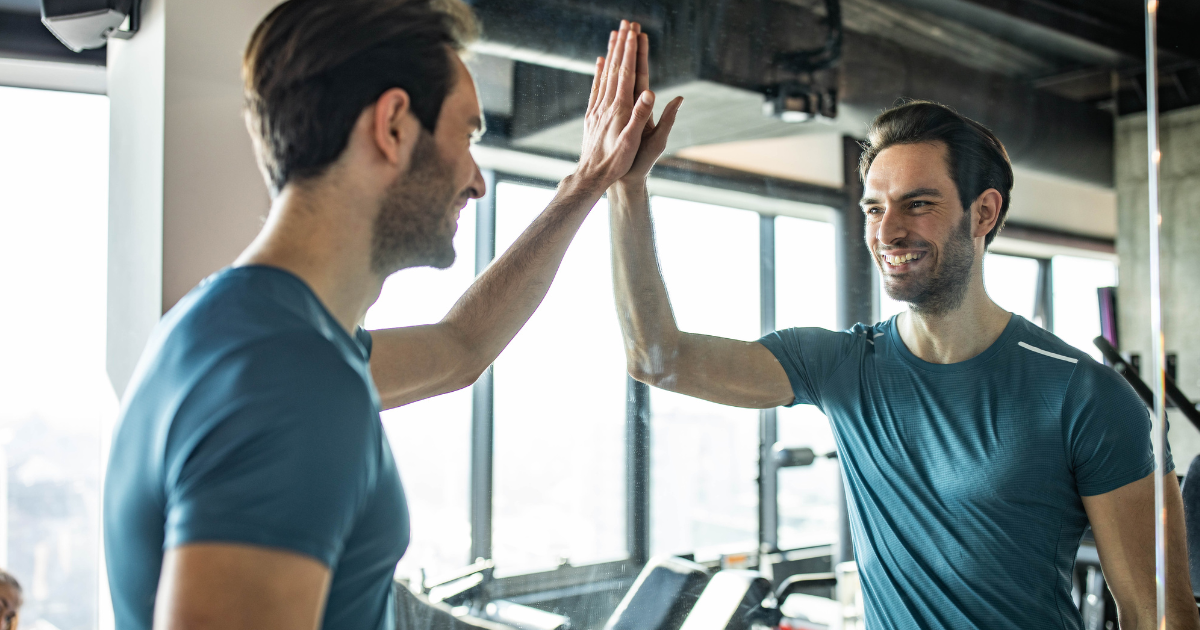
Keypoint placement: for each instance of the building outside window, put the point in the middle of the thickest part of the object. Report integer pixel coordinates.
(560, 390)
(56, 402)
(704, 456)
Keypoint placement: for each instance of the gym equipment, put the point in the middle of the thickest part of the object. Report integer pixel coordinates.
(1174, 394)
(524, 617)
(665, 592)
(733, 600)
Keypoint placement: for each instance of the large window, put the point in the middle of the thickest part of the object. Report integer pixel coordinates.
(704, 457)
(1012, 282)
(55, 398)
(806, 296)
(431, 438)
(560, 391)
(1076, 305)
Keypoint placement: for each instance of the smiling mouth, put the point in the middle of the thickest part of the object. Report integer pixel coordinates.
(902, 260)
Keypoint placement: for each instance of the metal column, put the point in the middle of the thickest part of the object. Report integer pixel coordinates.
(1158, 361)
(768, 431)
(855, 291)
(481, 401)
(637, 471)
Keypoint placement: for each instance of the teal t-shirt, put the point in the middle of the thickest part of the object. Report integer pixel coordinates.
(252, 418)
(965, 480)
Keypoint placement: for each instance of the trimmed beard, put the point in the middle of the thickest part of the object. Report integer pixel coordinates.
(944, 289)
(415, 225)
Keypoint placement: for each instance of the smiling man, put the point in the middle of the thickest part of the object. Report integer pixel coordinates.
(975, 446)
(250, 484)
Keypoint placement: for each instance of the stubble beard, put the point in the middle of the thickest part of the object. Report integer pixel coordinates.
(945, 288)
(415, 225)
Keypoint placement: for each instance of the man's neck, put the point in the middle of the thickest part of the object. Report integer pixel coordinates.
(957, 335)
(322, 236)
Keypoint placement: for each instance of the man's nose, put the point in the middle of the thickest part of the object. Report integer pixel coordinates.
(478, 186)
(891, 227)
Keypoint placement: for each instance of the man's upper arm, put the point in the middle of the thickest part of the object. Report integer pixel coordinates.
(1107, 431)
(1122, 521)
(239, 587)
(808, 356)
(418, 362)
(724, 371)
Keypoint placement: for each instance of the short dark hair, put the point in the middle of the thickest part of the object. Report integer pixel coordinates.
(7, 579)
(975, 157)
(312, 66)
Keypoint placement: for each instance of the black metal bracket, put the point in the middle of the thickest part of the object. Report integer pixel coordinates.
(135, 22)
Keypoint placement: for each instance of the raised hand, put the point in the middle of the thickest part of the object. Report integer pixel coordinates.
(617, 116)
(654, 137)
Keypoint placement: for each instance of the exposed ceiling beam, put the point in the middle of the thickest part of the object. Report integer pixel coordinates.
(1121, 29)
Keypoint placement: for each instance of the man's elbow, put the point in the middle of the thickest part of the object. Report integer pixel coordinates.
(652, 368)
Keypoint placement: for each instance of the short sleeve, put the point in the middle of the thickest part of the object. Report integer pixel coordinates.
(1107, 431)
(278, 453)
(809, 356)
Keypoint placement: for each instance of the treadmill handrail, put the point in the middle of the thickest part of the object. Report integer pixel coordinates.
(1174, 394)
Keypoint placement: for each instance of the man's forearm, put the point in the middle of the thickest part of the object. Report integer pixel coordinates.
(502, 299)
(643, 308)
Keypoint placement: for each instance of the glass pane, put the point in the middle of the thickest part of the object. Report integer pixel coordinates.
(1076, 305)
(805, 274)
(55, 398)
(1011, 282)
(806, 295)
(560, 408)
(431, 439)
(704, 457)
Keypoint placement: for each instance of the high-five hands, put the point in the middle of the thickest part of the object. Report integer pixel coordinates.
(654, 137)
(620, 139)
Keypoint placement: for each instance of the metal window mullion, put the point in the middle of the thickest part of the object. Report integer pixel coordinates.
(637, 471)
(482, 393)
(1043, 305)
(856, 294)
(768, 429)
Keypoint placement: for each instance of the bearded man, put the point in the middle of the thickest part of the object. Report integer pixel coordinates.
(975, 446)
(250, 484)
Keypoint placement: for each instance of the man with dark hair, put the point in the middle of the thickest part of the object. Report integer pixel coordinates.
(975, 447)
(250, 485)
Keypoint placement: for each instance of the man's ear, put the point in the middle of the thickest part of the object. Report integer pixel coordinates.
(395, 128)
(987, 212)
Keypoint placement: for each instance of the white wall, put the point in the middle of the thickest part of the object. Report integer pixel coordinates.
(185, 194)
(1180, 246)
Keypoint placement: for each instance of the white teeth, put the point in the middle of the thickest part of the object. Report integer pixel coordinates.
(900, 260)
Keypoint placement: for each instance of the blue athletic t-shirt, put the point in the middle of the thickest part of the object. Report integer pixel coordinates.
(252, 418)
(965, 479)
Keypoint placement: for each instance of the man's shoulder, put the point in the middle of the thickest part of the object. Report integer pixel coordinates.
(1080, 373)
(229, 344)
(1031, 342)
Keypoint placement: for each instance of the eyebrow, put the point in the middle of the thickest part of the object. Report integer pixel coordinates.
(478, 124)
(912, 194)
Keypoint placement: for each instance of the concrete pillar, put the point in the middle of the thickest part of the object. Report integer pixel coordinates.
(185, 194)
(1180, 195)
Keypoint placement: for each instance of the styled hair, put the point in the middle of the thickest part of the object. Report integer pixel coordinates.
(975, 158)
(7, 579)
(313, 66)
